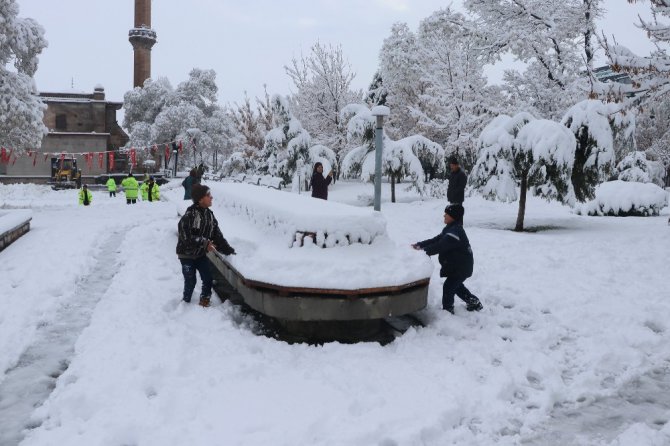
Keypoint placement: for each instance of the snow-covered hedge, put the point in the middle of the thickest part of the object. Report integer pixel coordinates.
(287, 214)
(621, 199)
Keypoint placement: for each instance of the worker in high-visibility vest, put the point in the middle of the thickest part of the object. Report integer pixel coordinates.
(150, 190)
(85, 196)
(130, 187)
(111, 187)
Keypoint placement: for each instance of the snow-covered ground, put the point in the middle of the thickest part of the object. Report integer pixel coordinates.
(572, 347)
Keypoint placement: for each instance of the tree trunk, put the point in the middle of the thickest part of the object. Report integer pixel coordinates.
(392, 188)
(522, 203)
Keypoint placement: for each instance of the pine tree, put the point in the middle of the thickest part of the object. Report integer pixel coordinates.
(528, 154)
(591, 124)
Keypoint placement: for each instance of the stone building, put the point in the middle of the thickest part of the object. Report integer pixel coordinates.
(77, 123)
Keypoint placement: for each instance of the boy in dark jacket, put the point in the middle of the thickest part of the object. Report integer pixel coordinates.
(199, 233)
(456, 260)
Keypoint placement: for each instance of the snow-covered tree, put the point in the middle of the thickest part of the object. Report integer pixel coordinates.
(528, 154)
(21, 110)
(143, 104)
(157, 114)
(376, 94)
(650, 75)
(546, 36)
(286, 149)
(399, 68)
(361, 132)
(430, 154)
(323, 87)
(400, 159)
(455, 102)
(591, 124)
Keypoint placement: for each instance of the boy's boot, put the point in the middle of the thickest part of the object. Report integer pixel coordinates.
(204, 301)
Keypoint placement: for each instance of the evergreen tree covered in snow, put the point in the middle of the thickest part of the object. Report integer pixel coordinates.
(361, 132)
(591, 124)
(376, 94)
(286, 149)
(323, 82)
(524, 153)
(21, 110)
(400, 159)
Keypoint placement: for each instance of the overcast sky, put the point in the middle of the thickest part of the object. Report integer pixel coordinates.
(247, 42)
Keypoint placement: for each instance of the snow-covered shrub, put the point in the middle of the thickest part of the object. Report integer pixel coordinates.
(437, 188)
(622, 199)
(636, 167)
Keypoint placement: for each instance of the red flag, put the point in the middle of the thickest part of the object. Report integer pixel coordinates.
(3, 154)
(133, 158)
(181, 147)
(34, 158)
(111, 161)
(167, 154)
(89, 159)
(101, 159)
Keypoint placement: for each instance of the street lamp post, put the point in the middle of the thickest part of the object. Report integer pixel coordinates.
(379, 111)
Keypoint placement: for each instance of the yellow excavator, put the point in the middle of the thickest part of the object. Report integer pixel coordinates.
(65, 174)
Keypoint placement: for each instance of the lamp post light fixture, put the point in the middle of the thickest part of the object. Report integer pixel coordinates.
(379, 111)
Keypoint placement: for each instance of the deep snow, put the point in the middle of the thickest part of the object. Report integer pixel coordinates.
(573, 337)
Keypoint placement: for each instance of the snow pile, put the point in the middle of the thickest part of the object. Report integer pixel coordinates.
(14, 219)
(285, 214)
(621, 199)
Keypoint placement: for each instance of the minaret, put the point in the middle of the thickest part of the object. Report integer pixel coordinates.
(142, 37)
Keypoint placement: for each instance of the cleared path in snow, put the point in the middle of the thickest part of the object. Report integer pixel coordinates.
(28, 384)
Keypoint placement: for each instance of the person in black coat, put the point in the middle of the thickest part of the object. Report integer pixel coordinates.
(456, 259)
(319, 183)
(457, 182)
(199, 234)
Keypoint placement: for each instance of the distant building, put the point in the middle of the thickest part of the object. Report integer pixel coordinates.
(77, 123)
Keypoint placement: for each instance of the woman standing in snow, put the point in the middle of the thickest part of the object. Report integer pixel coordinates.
(320, 184)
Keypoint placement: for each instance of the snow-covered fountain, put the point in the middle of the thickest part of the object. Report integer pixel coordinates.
(323, 269)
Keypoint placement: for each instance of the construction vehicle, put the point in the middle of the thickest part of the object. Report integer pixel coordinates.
(65, 174)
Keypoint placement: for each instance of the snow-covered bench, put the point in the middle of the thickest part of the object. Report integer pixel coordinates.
(252, 179)
(13, 224)
(273, 182)
(326, 224)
